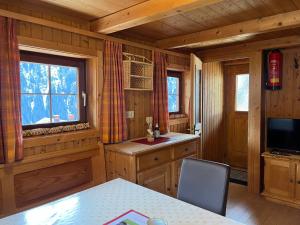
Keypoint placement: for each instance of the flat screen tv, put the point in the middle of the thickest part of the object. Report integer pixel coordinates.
(283, 135)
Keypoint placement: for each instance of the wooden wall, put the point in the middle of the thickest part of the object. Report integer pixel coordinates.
(285, 103)
(59, 164)
(213, 124)
(140, 101)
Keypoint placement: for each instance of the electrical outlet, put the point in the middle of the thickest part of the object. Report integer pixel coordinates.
(149, 119)
(130, 114)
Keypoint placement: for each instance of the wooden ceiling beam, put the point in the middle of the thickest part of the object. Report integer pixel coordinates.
(234, 31)
(146, 12)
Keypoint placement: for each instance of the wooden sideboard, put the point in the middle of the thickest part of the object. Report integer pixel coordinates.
(156, 167)
(282, 178)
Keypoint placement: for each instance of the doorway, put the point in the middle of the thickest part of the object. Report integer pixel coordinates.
(236, 107)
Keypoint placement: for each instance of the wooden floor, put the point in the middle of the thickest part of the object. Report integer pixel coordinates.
(252, 209)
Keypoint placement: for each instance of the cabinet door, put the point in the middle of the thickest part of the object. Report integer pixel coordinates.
(297, 192)
(280, 177)
(157, 179)
(176, 168)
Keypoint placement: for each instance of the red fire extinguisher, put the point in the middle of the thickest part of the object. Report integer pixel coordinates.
(274, 70)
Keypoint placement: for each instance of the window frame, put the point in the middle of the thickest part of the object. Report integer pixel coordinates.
(48, 59)
(236, 88)
(176, 74)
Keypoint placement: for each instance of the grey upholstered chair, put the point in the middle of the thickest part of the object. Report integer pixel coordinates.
(204, 184)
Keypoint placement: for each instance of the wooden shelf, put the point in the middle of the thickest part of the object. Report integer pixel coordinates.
(141, 77)
(138, 73)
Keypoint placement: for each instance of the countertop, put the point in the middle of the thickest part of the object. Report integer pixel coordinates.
(107, 201)
(133, 148)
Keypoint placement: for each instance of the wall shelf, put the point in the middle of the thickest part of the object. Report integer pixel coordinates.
(138, 72)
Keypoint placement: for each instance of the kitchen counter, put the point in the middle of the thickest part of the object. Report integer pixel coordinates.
(154, 166)
(133, 148)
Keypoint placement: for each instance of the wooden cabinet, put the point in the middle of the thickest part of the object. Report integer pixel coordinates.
(158, 178)
(297, 187)
(155, 168)
(282, 179)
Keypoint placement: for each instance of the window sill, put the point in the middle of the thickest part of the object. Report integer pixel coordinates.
(49, 139)
(177, 115)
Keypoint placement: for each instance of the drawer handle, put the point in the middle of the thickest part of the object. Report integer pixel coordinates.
(156, 159)
(291, 181)
(176, 185)
(298, 182)
(168, 189)
(186, 149)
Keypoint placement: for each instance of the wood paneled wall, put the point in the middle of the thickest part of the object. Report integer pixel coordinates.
(285, 103)
(140, 101)
(213, 115)
(54, 166)
(180, 125)
(60, 164)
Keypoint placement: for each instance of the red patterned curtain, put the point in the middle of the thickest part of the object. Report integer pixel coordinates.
(160, 92)
(11, 139)
(113, 122)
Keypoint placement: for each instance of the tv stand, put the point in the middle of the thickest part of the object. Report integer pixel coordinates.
(282, 178)
(278, 152)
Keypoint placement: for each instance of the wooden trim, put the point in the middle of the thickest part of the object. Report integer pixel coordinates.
(59, 26)
(53, 48)
(29, 142)
(146, 12)
(239, 30)
(255, 121)
(179, 75)
(241, 51)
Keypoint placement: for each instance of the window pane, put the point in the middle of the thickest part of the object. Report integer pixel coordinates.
(35, 109)
(65, 108)
(34, 78)
(242, 92)
(173, 103)
(173, 94)
(173, 85)
(64, 80)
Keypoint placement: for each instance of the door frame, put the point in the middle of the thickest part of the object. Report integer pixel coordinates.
(256, 117)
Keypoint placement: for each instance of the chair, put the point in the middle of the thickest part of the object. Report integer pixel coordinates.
(204, 184)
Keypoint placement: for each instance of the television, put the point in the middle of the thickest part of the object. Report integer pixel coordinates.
(283, 135)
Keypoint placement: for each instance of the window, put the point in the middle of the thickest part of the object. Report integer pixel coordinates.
(174, 92)
(51, 90)
(242, 93)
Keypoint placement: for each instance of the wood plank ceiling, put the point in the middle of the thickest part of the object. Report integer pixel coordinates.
(94, 8)
(219, 14)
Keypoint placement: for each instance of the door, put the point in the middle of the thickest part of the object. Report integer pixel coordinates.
(158, 179)
(297, 192)
(280, 177)
(236, 102)
(196, 95)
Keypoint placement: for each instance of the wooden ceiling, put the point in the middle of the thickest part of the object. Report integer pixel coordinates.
(220, 14)
(94, 8)
(217, 13)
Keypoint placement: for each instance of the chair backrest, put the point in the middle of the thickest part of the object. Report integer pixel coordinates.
(204, 184)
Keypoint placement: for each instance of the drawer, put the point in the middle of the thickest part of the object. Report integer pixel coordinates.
(183, 150)
(153, 159)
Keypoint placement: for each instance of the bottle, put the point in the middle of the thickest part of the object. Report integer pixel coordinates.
(156, 131)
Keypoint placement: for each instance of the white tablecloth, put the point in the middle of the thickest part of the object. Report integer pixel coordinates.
(103, 203)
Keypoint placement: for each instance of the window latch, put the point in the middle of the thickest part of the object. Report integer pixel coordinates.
(83, 94)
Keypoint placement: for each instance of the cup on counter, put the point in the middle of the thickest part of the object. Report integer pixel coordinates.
(150, 138)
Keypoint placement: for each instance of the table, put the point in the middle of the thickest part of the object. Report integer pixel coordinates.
(104, 202)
